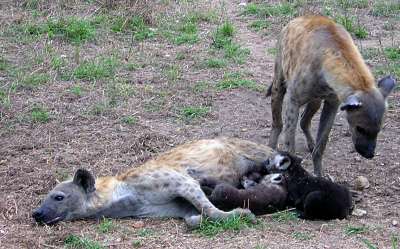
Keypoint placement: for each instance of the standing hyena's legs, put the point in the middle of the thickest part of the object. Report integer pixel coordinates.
(325, 125)
(290, 118)
(305, 121)
(192, 192)
(277, 95)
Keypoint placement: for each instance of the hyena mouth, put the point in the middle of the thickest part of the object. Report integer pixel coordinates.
(53, 221)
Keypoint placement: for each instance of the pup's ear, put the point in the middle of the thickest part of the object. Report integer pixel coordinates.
(352, 102)
(386, 85)
(84, 179)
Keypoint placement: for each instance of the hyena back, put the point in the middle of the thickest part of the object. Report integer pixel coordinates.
(167, 186)
(318, 61)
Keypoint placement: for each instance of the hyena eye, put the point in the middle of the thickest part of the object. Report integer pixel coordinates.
(58, 197)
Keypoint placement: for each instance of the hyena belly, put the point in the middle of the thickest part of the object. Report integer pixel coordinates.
(317, 62)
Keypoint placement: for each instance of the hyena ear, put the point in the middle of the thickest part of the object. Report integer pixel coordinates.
(84, 179)
(352, 102)
(386, 85)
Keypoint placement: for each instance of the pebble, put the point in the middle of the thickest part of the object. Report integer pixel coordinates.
(395, 223)
(361, 183)
(359, 212)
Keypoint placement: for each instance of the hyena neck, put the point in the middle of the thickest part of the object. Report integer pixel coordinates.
(112, 198)
(347, 73)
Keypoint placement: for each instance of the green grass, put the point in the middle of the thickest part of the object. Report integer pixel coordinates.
(76, 90)
(3, 64)
(76, 242)
(57, 62)
(34, 80)
(302, 235)
(272, 51)
(145, 232)
(215, 63)
(201, 86)
(353, 230)
(173, 72)
(5, 98)
(347, 22)
(236, 53)
(386, 8)
(210, 228)
(210, 16)
(39, 115)
(193, 112)
(259, 25)
(395, 242)
(96, 68)
(187, 32)
(129, 120)
(360, 32)
(392, 53)
(284, 216)
(106, 225)
(120, 90)
(136, 24)
(236, 80)
(267, 10)
(368, 244)
(99, 108)
(360, 4)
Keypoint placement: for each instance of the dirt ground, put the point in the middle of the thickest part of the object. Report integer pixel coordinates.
(83, 132)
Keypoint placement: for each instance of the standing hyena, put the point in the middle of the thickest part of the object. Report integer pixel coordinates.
(167, 186)
(317, 60)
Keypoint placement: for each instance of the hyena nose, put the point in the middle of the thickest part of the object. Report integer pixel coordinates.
(38, 215)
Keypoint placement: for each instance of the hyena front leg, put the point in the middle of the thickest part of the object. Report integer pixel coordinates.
(192, 192)
(327, 118)
(305, 121)
(290, 119)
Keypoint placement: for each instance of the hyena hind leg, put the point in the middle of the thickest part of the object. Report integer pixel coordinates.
(277, 95)
(305, 121)
(193, 194)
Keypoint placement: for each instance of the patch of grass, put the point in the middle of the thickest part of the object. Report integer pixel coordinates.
(3, 64)
(173, 72)
(386, 8)
(73, 29)
(136, 24)
(99, 108)
(369, 53)
(215, 63)
(236, 80)
(211, 228)
(145, 232)
(119, 89)
(39, 115)
(267, 10)
(353, 230)
(236, 53)
(76, 90)
(259, 25)
(391, 68)
(395, 242)
(76, 242)
(202, 16)
(129, 120)
(137, 243)
(106, 225)
(131, 66)
(201, 86)
(272, 51)
(4, 98)
(223, 35)
(302, 235)
(96, 69)
(369, 244)
(34, 80)
(285, 216)
(193, 112)
(187, 33)
(180, 56)
(57, 62)
(360, 4)
(360, 32)
(392, 53)
(347, 22)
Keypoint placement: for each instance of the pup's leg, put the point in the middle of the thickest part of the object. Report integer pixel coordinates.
(305, 121)
(191, 191)
(315, 206)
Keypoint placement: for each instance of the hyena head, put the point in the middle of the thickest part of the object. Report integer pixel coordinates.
(282, 162)
(67, 200)
(365, 111)
(277, 179)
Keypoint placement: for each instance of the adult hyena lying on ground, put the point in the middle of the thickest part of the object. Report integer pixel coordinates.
(317, 60)
(166, 186)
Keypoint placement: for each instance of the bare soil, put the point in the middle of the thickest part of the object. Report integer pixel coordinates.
(35, 156)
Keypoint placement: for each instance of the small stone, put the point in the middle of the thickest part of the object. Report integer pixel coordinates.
(361, 183)
(395, 223)
(244, 129)
(138, 224)
(242, 4)
(359, 212)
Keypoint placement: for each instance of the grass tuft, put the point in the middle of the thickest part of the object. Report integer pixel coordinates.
(353, 230)
(96, 69)
(215, 63)
(267, 10)
(76, 242)
(285, 216)
(259, 25)
(386, 8)
(39, 115)
(106, 225)
(236, 80)
(211, 228)
(34, 80)
(193, 112)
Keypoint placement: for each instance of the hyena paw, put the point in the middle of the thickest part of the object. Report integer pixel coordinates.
(193, 221)
(245, 213)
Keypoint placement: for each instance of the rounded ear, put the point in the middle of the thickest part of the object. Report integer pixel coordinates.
(352, 102)
(84, 179)
(386, 85)
(283, 161)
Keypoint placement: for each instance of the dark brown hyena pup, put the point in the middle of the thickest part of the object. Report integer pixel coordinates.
(313, 197)
(267, 196)
(318, 61)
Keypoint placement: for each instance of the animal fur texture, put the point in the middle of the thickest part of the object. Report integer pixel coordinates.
(314, 197)
(166, 186)
(318, 61)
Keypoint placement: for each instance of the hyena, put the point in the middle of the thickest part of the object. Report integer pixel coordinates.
(167, 186)
(318, 61)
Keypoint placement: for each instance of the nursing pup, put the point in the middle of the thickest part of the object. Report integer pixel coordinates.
(267, 196)
(318, 61)
(313, 197)
(166, 186)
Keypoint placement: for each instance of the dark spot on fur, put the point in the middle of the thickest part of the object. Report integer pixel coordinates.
(178, 184)
(166, 185)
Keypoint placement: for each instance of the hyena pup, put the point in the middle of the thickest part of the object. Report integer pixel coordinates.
(318, 61)
(167, 186)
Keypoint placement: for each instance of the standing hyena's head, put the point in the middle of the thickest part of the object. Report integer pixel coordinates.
(67, 200)
(365, 111)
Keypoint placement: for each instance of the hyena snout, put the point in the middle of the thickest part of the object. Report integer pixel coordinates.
(44, 215)
(366, 149)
